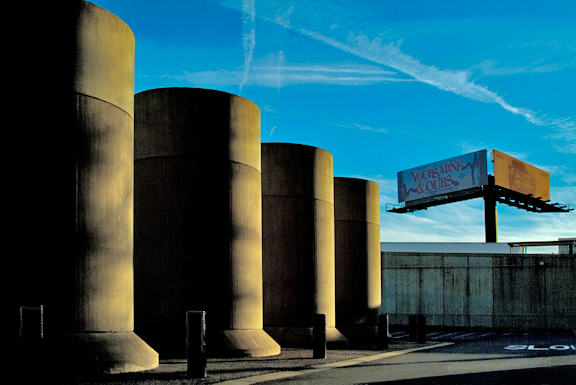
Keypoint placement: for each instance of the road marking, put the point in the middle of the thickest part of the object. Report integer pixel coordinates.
(449, 334)
(559, 347)
(324, 367)
(516, 347)
(452, 335)
(469, 334)
(533, 347)
(486, 335)
(431, 334)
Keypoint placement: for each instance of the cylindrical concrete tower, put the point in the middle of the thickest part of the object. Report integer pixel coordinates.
(89, 315)
(358, 266)
(298, 242)
(198, 221)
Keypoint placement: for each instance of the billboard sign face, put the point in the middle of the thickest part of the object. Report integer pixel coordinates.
(443, 177)
(521, 177)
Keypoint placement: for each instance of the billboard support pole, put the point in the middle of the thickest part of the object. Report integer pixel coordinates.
(490, 212)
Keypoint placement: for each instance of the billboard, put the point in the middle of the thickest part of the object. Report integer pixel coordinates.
(521, 177)
(443, 177)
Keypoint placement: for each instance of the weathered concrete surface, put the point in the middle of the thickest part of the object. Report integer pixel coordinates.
(357, 256)
(103, 353)
(499, 291)
(481, 301)
(104, 58)
(198, 237)
(89, 318)
(103, 286)
(298, 241)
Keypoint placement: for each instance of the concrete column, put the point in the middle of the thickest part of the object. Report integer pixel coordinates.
(358, 266)
(89, 315)
(298, 242)
(198, 221)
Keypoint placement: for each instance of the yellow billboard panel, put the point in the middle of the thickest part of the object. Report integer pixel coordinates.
(521, 177)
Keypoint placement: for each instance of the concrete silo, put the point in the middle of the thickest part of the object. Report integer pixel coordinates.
(298, 242)
(358, 265)
(89, 313)
(198, 223)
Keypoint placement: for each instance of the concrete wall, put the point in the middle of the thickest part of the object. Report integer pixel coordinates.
(499, 291)
(358, 269)
(198, 220)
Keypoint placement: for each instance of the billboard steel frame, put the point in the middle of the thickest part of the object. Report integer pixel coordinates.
(491, 194)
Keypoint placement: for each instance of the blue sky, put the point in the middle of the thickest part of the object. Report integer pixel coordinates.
(386, 86)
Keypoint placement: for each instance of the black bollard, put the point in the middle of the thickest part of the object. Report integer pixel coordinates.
(31, 343)
(196, 343)
(421, 327)
(412, 328)
(383, 331)
(319, 336)
(31, 329)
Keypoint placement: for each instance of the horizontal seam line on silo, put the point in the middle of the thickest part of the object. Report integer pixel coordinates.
(356, 220)
(105, 101)
(190, 156)
(297, 196)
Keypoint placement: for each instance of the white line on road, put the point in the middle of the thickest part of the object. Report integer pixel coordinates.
(433, 334)
(323, 367)
(449, 334)
(486, 335)
(469, 334)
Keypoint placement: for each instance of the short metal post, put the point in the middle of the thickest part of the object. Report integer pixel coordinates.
(319, 336)
(31, 328)
(196, 343)
(412, 332)
(29, 353)
(383, 331)
(421, 326)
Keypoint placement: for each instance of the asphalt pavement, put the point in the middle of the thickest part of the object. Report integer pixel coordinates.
(495, 359)
(447, 357)
(234, 371)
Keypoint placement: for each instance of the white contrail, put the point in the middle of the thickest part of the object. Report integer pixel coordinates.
(271, 132)
(458, 82)
(248, 36)
(278, 78)
(389, 54)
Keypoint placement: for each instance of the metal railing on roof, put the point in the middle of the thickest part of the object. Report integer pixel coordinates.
(568, 242)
